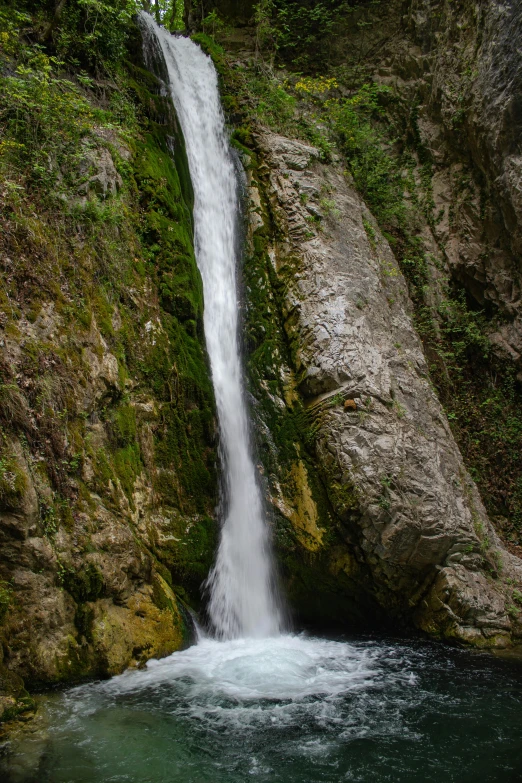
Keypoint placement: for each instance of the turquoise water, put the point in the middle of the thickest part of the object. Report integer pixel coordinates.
(292, 709)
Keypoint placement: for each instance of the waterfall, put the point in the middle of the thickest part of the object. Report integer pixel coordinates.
(242, 598)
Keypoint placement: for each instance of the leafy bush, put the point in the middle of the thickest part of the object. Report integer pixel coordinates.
(274, 105)
(374, 168)
(44, 117)
(93, 34)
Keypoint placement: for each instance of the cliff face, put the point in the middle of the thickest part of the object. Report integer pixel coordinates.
(373, 506)
(472, 54)
(459, 64)
(107, 446)
(404, 528)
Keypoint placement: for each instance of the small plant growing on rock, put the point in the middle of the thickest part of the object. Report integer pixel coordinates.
(370, 233)
(5, 599)
(49, 521)
(384, 503)
(399, 409)
(497, 558)
(517, 597)
(330, 208)
(12, 482)
(336, 400)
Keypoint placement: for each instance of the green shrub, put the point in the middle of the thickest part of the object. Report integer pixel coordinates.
(301, 30)
(375, 170)
(93, 34)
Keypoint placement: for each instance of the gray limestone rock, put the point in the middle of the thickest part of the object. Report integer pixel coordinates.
(421, 528)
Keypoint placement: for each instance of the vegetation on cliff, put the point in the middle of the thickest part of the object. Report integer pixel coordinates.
(107, 444)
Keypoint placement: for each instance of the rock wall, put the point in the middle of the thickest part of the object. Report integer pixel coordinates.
(373, 511)
(461, 63)
(454, 74)
(403, 527)
(108, 435)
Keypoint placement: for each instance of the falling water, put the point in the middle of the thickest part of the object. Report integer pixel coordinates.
(242, 601)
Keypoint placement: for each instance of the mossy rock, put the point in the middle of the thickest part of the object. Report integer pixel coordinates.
(85, 584)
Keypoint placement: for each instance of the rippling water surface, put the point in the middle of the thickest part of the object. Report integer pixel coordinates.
(291, 708)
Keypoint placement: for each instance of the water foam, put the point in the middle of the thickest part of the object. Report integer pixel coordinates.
(253, 684)
(291, 708)
(282, 668)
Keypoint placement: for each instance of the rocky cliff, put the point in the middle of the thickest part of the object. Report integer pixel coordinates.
(403, 526)
(374, 510)
(107, 445)
(455, 74)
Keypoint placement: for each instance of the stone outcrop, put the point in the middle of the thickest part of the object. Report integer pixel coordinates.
(476, 84)
(413, 525)
(87, 594)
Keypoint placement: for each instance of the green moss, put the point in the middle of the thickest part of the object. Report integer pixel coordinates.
(6, 594)
(103, 310)
(103, 470)
(121, 460)
(86, 584)
(13, 482)
(176, 366)
(127, 467)
(189, 554)
(123, 425)
(78, 661)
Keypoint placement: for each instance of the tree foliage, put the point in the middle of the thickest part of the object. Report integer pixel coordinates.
(86, 34)
(301, 31)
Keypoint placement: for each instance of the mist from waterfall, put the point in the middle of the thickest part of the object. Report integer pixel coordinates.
(242, 596)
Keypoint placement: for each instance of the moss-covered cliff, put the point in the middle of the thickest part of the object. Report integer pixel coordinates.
(108, 434)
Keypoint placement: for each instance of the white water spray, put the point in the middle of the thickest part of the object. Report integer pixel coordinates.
(242, 601)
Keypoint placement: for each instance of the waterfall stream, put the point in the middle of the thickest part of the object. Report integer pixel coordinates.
(242, 597)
